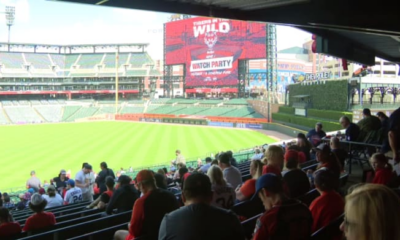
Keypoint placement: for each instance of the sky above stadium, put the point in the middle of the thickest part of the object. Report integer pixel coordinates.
(40, 21)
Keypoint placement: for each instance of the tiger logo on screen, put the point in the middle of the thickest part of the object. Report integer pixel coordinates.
(210, 39)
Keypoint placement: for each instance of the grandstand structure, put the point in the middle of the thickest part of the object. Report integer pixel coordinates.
(54, 72)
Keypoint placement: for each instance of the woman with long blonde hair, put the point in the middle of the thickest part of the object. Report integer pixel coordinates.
(372, 212)
(247, 190)
(273, 160)
(224, 194)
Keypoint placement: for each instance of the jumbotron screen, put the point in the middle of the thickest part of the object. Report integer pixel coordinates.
(211, 48)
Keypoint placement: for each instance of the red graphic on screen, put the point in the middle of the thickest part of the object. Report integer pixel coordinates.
(211, 48)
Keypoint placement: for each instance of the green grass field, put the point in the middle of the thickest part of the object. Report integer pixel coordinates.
(50, 147)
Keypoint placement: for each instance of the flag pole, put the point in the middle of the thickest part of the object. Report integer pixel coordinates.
(116, 81)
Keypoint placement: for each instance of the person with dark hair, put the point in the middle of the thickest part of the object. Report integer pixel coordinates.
(102, 201)
(393, 142)
(124, 197)
(148, 210)
(53, 198)
(328, 206)
(161, 181)
(304, 145)
(327, 159)
(231, 174)
(103, 174)
(83, 181)
(295, 179)
(315, 135)
(60, 182)
(233, 160)
(7, 201)
(384, 122)
(352, 130)
(284, 218)
(8, 227)
(368, 124)
(214, 162)
(205, 167)
(198, 219)
(40, 219)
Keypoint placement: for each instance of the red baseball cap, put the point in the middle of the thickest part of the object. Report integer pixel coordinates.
(144, 175)
(292, 154)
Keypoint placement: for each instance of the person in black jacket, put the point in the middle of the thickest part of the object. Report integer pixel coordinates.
(124, 197)
(101, 178)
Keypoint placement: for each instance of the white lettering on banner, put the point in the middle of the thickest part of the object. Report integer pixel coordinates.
(318, 76)
(222, 27)
(211, 64)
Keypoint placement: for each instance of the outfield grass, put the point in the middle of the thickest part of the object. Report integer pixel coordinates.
(48, 148)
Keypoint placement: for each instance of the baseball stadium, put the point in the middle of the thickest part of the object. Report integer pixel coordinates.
(104, 141)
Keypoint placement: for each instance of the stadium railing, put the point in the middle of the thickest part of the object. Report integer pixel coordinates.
(106, 233)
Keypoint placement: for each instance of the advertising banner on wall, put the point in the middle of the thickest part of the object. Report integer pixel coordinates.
(210, 48)
(220, 124)
(249, 125)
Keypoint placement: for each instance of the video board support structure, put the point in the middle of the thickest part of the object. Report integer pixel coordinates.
(243, 72)
(272, 66)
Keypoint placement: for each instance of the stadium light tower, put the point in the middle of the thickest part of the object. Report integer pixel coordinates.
(10, 17)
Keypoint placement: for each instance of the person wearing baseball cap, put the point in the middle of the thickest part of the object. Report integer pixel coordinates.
(124, 197)
(39, 219)
(60, 182)
(148, 210)
(294, 178)
(84, 180)
(327, 159)
(294, 217)
(198, 219)
(316, 134)
(53, 198)
(73, 194)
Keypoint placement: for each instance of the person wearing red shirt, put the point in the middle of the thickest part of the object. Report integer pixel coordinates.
(247, 190)
(273, 160)
(284, 218)
(327, 159)
(8, 227)
(383, 170)
(328, 206)
(148, 210)
(40, 219)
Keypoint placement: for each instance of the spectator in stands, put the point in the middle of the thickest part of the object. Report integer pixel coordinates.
(102, 201)
(231, 174)
(33, 182)
(273, 160)
(352, 129)
(8, 227)
(161, 181)
(23, 201)
(198, 219)
(7, 201)
(293, 217)
(233, 160)
(327, 159)
(148, 210)
(368, 125)
(383, 169)
(257, 155)
(204, 168)
(214, 162)
(124, 197)
(83, 181)
(393, 142)
(315, 135)
(339, 152)
(384, 122)
(42, 191)
(301, 156)
(40, 219)
(295, 180)
(73, 194)
(103, 174)
(372, 212)
(60, 182)
(328, 206)
(179, 166)
(223, 193)
(304, 145)
(179, 158)
(247, 190)
(53, 198)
